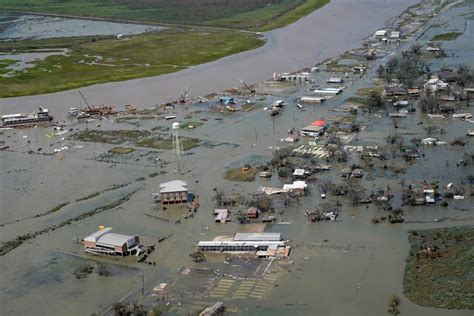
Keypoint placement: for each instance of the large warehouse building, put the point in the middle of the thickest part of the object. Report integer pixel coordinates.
(244, 242)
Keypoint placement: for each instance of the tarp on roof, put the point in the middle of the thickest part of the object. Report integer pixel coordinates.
(319, 123)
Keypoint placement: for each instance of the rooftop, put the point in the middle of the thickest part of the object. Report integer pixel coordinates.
(257, 237)
(106, 237)
(173, 186)
(95, 236)
(114, 239)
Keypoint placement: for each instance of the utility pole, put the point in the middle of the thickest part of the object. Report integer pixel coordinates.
(143, 283)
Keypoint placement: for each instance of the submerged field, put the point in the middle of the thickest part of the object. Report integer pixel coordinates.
(439, 268)
(245, 14)
(93, 60)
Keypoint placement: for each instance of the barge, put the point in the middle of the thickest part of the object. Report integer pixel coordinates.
(26, 119)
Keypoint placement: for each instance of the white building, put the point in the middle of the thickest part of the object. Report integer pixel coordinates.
(380, 33)
(243, 242)
(435, 84)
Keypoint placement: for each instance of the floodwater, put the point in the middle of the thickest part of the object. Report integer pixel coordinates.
(27, 60)
(18, 27)
(335, 28)
(354, 272)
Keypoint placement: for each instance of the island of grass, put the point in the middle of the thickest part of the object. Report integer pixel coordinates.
(260, 15)
(191, 124)
(111, 136)
(138, 138)
(187, 143)
(359, 100)
(246, 173)
(94, 60)
(5, 64)
(451, 36)
(439, 268)
(121, 150)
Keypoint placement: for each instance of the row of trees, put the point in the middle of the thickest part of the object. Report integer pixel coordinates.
(407, 67)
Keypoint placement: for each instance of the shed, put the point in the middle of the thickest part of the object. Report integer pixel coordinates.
(357, 173)
(221, 216)
(227, 101)
(414, 92)
(307, 99)
(346, 172)
(335, 80)
(395, 91)
(380, 33)
(394, 34)
(252, 213)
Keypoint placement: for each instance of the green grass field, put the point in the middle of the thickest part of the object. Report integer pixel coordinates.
(138, 56)
(243, 14)
(439, 270)
(451, 36)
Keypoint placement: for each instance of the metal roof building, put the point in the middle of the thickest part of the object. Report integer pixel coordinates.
(257, 237)
(244, 242)
(173, 186)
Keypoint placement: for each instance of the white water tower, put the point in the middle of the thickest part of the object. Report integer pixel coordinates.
(177, 145)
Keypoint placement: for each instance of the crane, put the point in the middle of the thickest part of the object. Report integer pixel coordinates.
(85, 101)
(250, 88)
(184, 96)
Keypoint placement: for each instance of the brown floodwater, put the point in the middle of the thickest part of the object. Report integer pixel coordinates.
(335, 28)
(354, 272)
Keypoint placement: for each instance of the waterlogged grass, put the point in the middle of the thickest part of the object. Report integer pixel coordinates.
(121, 150)
(439, 268)
(160, 128)
(191, 124)
(242, 14)
(138, 138)
(294, 15)
(110, 136)
(165, 11)
(258, 18)
(365, 91)
(93, 60)
(5, 64)
(271, 17)
(10, 245)
(451, 36)
(167, 144)
(359, 100)
(241, 174)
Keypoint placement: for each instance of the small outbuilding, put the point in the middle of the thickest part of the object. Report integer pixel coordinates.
(252, 213)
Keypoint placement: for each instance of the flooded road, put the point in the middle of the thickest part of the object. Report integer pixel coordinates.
(335, 28)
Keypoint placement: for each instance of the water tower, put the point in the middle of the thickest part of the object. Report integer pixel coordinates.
(177, 146)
